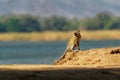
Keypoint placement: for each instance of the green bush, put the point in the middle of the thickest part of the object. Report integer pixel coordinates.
(28, 23)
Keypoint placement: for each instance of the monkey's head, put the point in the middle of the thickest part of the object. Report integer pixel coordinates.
(77, 33)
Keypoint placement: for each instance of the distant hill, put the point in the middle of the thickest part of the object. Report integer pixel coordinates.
(68, 8)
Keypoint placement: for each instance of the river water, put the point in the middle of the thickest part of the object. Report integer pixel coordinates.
(25, 52)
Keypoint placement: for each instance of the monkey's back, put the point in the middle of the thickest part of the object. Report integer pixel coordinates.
(71, 43)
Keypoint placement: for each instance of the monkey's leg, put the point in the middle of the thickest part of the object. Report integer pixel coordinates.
(78, 47)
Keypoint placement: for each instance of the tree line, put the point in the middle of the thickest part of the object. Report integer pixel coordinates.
(28, 23)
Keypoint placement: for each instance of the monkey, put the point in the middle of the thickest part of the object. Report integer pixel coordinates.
(72, 43)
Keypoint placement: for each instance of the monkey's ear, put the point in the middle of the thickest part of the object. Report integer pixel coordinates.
(78, 30)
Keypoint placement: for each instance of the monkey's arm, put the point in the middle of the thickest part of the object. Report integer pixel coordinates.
(78, 47)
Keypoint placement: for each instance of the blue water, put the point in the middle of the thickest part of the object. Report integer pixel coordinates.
(24, 52)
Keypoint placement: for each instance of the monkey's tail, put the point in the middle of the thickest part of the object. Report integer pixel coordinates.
(63, 56)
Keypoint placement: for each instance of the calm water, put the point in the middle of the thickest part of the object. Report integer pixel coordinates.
(23, 52)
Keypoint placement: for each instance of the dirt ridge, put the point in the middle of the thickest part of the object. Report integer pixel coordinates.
(99, 56)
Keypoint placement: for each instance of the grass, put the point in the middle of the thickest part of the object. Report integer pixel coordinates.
(57, 35)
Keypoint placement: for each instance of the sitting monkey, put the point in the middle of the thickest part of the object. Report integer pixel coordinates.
(72, 43)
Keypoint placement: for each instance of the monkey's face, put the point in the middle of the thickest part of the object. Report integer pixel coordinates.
(77, 34)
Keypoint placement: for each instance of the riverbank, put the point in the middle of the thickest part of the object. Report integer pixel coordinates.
(92, 57)
(96, 64)
(56, 35)
(58, 72)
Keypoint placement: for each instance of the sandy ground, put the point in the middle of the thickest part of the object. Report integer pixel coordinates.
(93, 64)
(93, 57)
(59, 72)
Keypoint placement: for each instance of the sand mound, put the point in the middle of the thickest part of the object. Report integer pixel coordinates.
(99, 57)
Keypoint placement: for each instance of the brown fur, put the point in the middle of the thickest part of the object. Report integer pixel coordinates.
(72, 43)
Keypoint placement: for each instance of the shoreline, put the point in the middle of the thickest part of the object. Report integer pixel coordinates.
(58, 72)
(101, 64)
(51, 67)
(60, 35)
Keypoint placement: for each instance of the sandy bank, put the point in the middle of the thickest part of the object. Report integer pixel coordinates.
(58, 72)
(58, 35)
(92, 57)
(93, 64)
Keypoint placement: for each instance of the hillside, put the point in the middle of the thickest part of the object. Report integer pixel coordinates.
(68, 8)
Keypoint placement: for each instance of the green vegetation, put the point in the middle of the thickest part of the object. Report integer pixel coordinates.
(28, 23)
